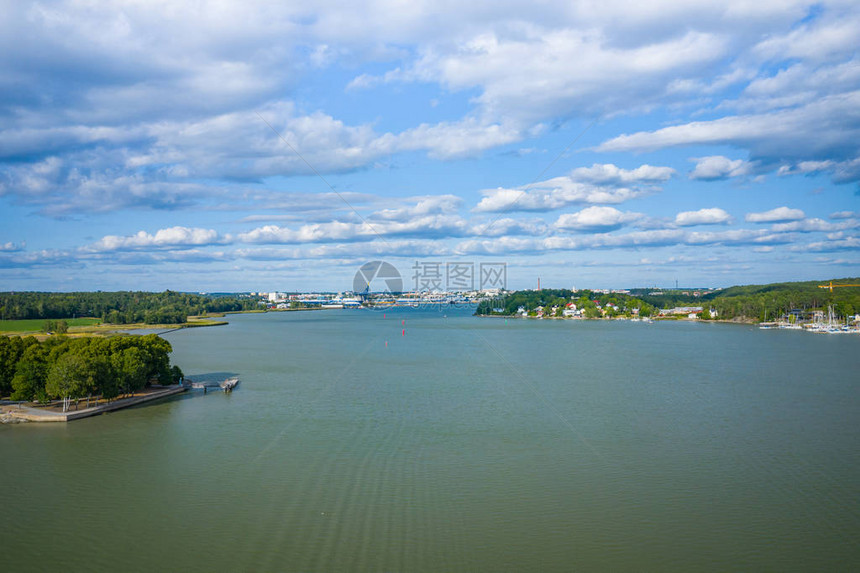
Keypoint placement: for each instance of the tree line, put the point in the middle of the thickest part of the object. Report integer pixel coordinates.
(73, 368)
(125, 307)
(750, 302)
(771, 301)
(558, 299)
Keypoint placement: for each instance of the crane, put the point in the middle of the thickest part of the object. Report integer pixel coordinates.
(832, 286)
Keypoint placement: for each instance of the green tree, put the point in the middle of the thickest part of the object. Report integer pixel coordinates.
(130, 367)
(176, 374)
(68, 378)
(10, 352)
(30, 374)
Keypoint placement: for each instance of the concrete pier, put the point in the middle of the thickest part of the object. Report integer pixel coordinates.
(31, 414)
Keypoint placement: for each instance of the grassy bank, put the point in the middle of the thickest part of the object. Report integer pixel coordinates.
(94, 326)
(37, 324)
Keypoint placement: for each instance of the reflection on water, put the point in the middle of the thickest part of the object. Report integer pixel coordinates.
(466, 444)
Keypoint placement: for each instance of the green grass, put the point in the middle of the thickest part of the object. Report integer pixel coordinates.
(36, 324)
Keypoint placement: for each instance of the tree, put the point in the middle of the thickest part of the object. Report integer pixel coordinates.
(176, 374)
(130, 367)
(30, 374)
(157, 352)
(10, 351)
(68, 378)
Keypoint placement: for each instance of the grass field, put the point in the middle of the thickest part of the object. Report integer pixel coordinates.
(36, 324)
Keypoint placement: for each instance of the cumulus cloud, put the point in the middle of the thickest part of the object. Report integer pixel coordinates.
(609, 174)
(778, 215)
(419, 207)
(508, 226)
(10, 247)
(172, 237)
(845, 215)
(716, 167)
(557, 193)
(712, 216)
(785, 134)
(780, 131)
(815, 225)
(850, 243)
(631, 240)
(598, 184)
(431, 226)
(119, 107)
(596, 220)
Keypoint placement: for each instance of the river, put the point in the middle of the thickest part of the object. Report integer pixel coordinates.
(465, 444)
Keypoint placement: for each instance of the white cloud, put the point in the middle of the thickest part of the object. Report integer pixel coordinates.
(171, 237)
(841, 244)
(599, 82)
(508, 226)
(609, 174)
(552, 194)
(431, 226)
(598, 184)
(814, 226)
(716, 167)
(713, 216)
(419, 207)
(794, 134)
(780, 130)
(833, 35)
(845, 215)
(596, 220)
(11, 247)
(778, 215)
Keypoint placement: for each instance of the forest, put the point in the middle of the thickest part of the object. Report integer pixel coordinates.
(166, 307)
(770, 301)
(73, 368)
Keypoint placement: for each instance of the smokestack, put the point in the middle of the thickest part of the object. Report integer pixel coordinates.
(538, 283)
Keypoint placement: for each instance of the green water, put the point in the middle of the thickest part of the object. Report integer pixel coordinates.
(467, 445)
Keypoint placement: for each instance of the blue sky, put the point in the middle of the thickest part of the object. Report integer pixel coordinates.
(234, 146)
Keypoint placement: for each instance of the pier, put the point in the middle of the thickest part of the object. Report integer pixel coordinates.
(36, 414)
(226, 385)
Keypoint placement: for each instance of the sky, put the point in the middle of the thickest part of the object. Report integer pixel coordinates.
(246, 146)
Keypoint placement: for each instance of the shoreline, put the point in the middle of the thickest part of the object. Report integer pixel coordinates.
(21, 413)
(107, 329)
(663, 319)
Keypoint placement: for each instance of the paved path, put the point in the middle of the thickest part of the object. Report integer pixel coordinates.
(23, 412)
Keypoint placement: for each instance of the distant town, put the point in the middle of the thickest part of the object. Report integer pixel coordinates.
(800, 306)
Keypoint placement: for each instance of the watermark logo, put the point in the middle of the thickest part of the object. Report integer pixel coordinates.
(430, 276)
(377, 276)
(437, 284)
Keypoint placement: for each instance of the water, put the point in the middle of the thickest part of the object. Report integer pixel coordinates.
(467, 445)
